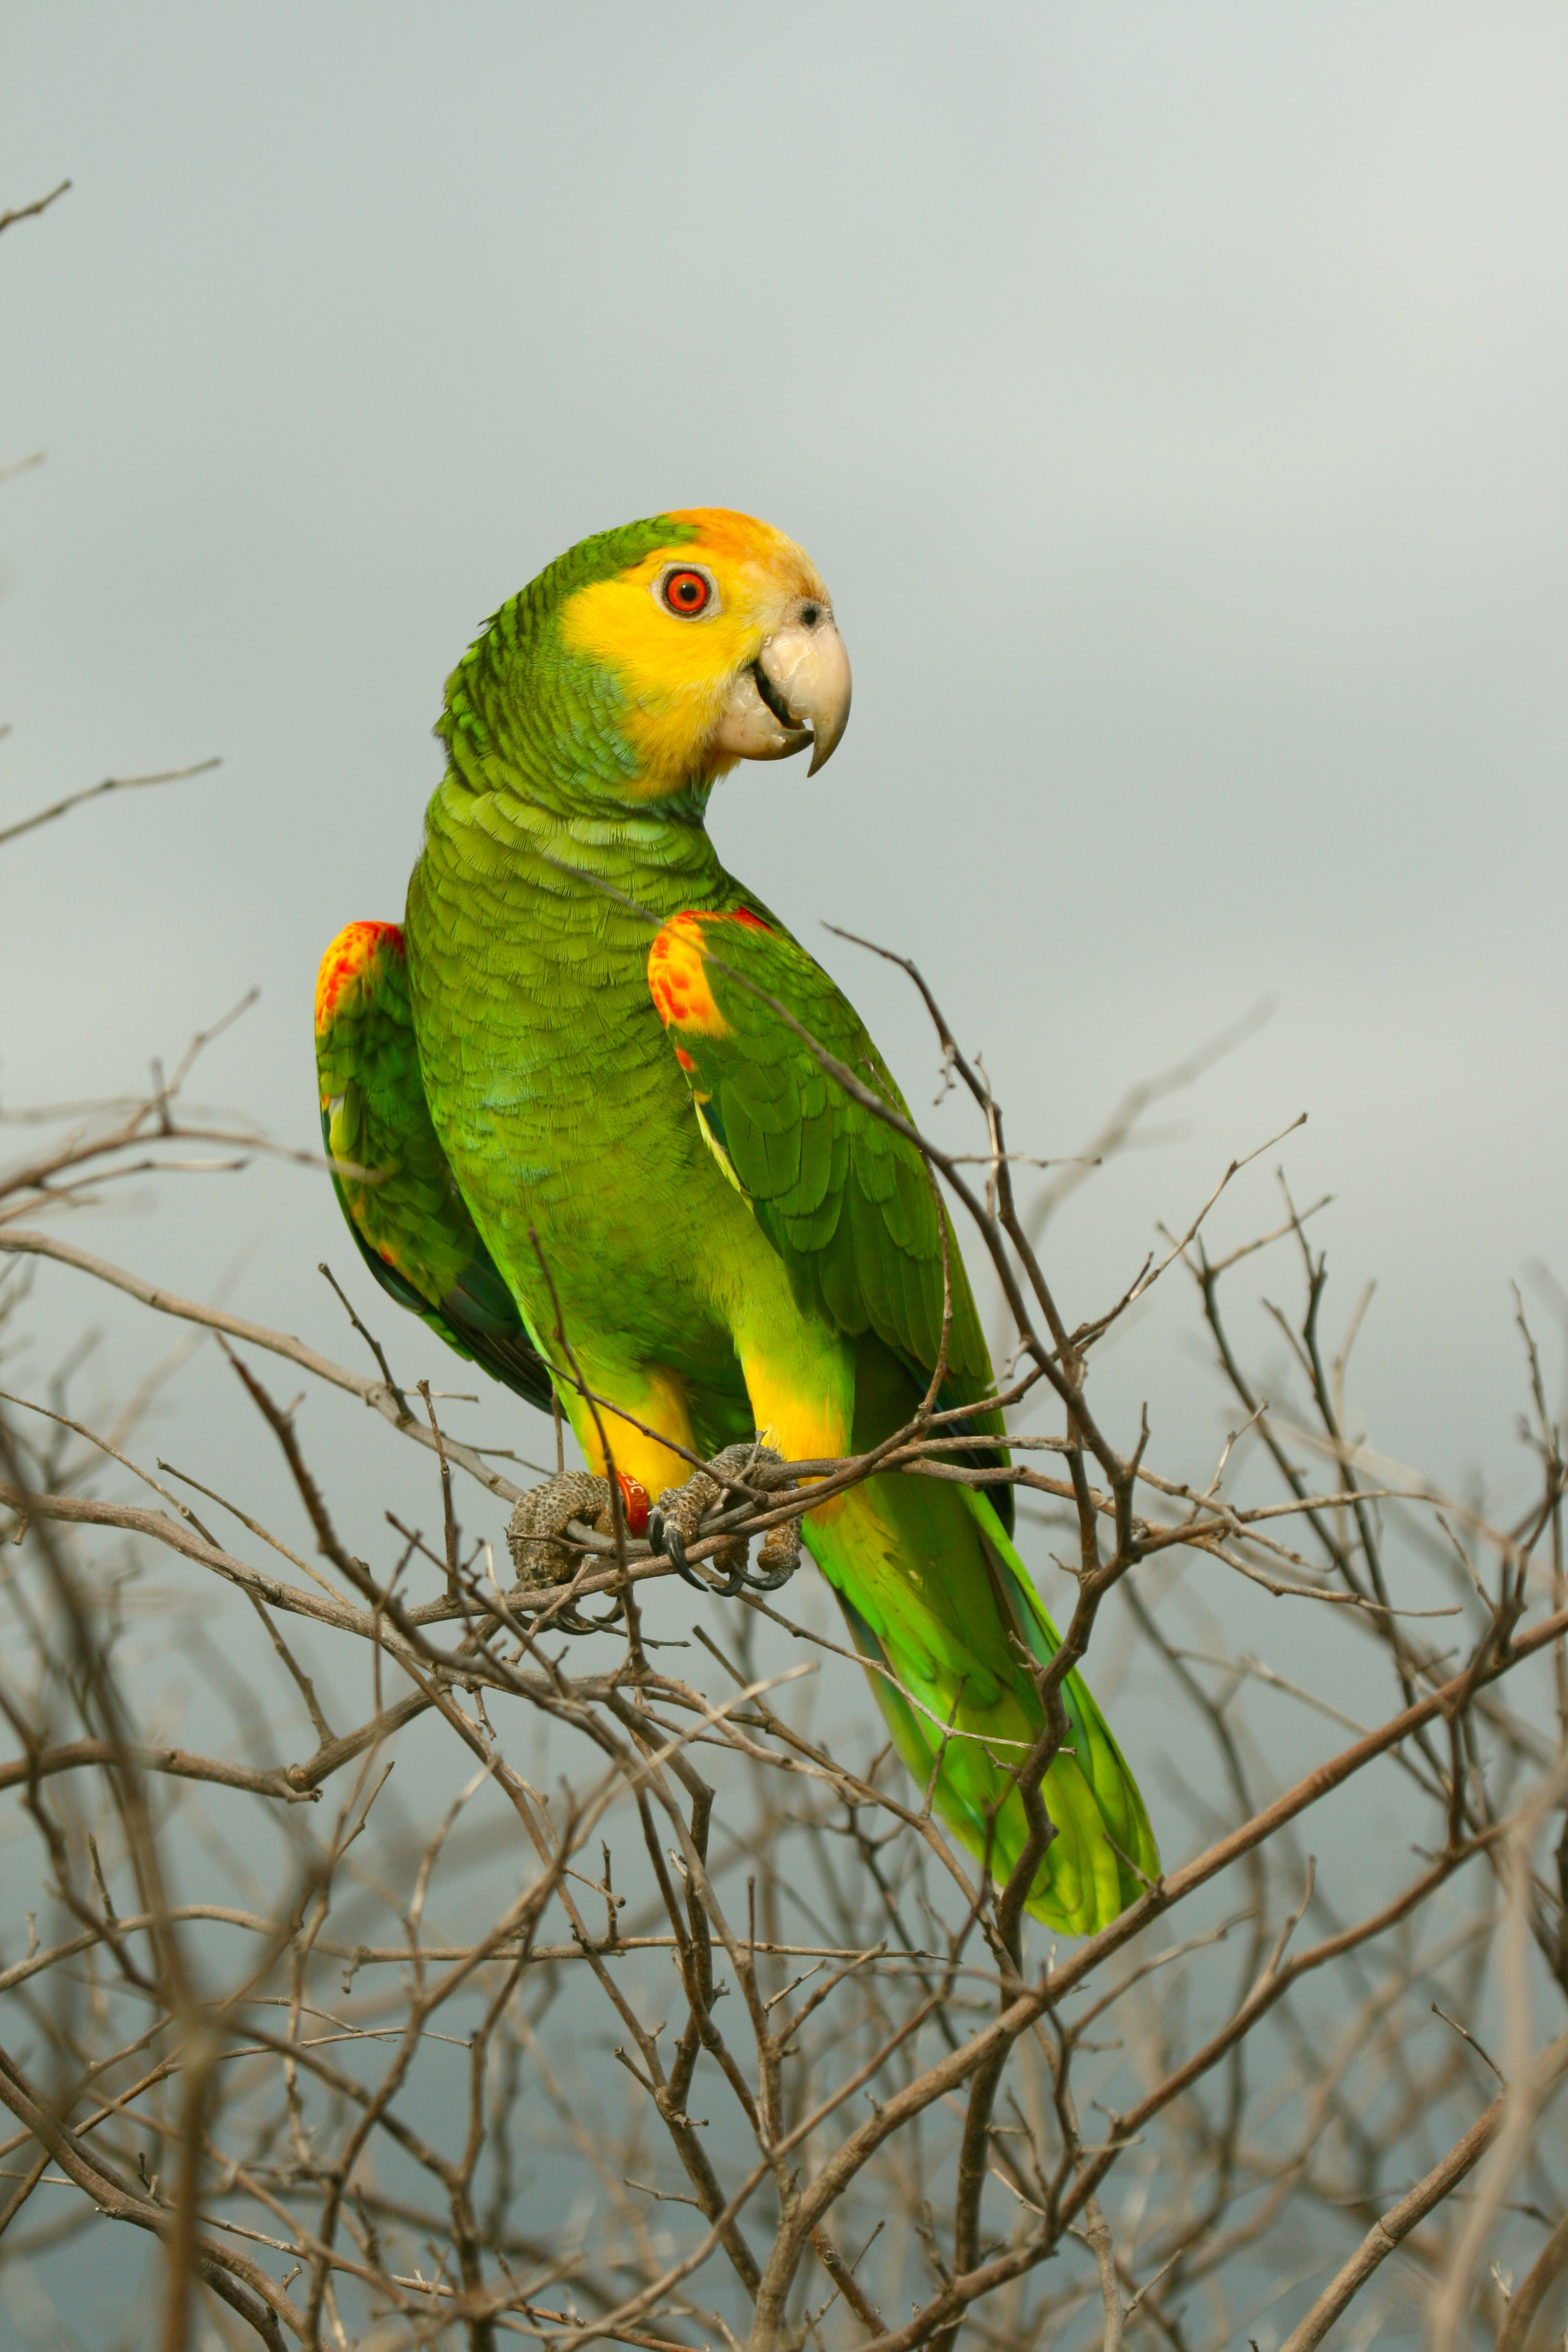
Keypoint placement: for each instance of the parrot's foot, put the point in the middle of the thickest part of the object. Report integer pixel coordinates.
(676, 1519)
(543, 1553)
(535, 1534)
(778, 1557)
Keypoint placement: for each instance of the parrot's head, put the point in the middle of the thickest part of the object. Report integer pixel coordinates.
(654, 656)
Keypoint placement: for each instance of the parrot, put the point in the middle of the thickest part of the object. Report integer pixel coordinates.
(590, 1142)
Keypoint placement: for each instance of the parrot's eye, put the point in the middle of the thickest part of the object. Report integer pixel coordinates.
(688, 590)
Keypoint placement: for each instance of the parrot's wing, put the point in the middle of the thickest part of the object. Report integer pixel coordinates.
(409, 1220)
(933, 1588)
(846, 1201)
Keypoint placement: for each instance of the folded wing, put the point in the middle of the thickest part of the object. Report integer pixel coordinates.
(934, 1592)
(846, 1201)
(393, 1183)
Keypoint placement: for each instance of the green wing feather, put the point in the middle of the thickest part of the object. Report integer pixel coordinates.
(934, 1593)
(845, 1200)
(409, 1221)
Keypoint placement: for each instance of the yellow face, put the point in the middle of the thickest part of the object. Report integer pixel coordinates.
(724, 645)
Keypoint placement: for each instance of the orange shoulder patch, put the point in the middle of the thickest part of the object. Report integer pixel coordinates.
(678, 980)
(355, 948)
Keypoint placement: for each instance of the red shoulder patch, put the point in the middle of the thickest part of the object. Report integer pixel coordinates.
(677, 980)
(356, 946)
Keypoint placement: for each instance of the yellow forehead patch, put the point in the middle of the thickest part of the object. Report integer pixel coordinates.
(675, 673)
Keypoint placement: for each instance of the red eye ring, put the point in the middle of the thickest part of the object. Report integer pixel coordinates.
(687, 592)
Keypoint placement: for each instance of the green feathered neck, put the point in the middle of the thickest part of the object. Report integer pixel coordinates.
(526, 717)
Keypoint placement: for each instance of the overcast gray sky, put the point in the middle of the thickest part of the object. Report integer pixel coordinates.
(1175, 401)
(1172, 397)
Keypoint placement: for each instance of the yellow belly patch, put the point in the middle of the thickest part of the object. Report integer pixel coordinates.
(795, 1423)
(661, 1402)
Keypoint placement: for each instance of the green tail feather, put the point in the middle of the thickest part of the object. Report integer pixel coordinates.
(935, 1593)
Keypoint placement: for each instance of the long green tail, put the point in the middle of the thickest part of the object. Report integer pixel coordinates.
(934, 1591)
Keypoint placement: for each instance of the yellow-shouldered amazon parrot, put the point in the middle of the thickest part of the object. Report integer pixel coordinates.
(738, 1248)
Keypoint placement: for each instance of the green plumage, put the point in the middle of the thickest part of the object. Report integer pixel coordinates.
(930, 1583)
(735, 1244)
(406, 1216)
(846, 1201)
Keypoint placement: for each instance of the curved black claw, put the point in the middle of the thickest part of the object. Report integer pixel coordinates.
(736, 1577)
(664, 1536)
(771, 1578)
(572, 1621)
(778, 1559)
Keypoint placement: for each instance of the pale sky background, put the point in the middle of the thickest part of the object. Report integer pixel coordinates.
(1174, 400)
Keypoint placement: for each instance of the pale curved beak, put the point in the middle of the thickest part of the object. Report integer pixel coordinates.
(795, 692)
